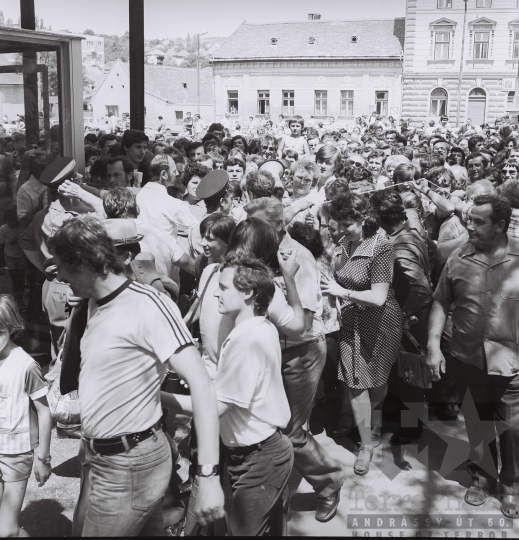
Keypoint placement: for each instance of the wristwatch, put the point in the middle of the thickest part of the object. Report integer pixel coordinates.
(208, 470)
(45, 461)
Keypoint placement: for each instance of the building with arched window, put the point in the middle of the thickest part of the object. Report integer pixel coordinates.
(432, 54)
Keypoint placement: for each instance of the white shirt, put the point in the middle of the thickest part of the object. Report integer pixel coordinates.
(129, 337)
(215, 327)
(20, 382)
(251, 384)
(164, 212)
(29, 195)
(163, 247)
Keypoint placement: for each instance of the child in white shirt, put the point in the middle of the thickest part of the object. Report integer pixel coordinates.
(24, 414)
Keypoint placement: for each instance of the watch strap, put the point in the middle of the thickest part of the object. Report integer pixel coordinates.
(45, 461)
(208, 470)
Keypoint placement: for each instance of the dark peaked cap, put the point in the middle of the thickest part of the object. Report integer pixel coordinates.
(213, 185)
(57, 172)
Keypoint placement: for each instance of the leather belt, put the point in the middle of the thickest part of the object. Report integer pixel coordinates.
(119, 445)
(246, 450)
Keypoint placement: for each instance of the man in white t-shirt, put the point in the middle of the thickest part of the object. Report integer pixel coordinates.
(252, 403)
(303, 364)
(128, 336)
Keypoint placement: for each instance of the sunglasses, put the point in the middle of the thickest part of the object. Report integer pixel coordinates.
(354, 163)
(268, 147)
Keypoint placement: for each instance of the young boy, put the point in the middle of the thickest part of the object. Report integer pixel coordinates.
(294, 141)
(23, 413)
(252, 403)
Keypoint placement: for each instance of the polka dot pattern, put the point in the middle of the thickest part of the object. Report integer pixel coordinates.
(370, 336)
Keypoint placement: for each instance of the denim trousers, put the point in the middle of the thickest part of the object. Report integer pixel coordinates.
(496, 401)
(121, 495)
(302, 369)
(258, 481)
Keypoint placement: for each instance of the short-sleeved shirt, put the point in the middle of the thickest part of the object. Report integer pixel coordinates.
(28, 196)
(162, 246)
(251, 384)
(129, 337)
(216, 327)
(308, 284)
(164, 212)
(21, 382)
(294, 143)
(486, 308)
(9, 238)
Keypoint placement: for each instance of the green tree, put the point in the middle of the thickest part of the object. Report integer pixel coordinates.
(2, 22)
(190, 61)
(89, 32)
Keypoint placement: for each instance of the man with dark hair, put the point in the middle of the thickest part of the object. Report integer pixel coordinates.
(480, 280)
(476, 143)
(194, 150)
(476, 164)
(252, 402)
(134, 144)
(216, 129)
(119, 171)
(391, 136)
(105, 142)
(123, 446)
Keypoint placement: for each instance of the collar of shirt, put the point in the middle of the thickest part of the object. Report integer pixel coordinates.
(366, 248)
(470, 251)
(155, 186)
(245, 326)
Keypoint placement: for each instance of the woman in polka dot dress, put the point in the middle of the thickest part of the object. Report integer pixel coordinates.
(371, 318)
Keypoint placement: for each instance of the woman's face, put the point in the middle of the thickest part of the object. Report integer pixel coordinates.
(458, 156)
(239, 144)
(213, 247)
(191, 187)
(390, 169)
(510, 144)
(350, 229)
(301, 183)
(326, 168)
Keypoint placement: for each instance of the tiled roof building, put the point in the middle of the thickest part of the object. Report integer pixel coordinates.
(312, 68)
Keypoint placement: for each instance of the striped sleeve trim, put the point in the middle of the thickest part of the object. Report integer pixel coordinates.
(178, 326)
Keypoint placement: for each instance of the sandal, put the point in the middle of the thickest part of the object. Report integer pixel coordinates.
(510, 506)
(476, 496)
(376, 436)
(364, 458)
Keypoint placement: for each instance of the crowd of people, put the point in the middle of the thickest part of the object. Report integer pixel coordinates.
(243, 278)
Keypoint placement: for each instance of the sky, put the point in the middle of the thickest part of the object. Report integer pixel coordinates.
(175, 18)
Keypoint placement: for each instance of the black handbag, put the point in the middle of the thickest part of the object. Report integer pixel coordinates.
(411, 367)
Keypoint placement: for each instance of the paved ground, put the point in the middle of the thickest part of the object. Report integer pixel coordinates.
(409, 487)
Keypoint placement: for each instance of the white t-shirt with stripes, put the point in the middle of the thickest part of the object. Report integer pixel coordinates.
(129, 337)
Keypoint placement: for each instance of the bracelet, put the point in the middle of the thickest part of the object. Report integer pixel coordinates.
(427, 192)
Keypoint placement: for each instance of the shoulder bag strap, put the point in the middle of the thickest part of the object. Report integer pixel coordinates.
(201, 297)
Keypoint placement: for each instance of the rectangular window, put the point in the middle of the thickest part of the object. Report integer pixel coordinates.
(481, 41)
(179, 116)
(483, 3)
(90, 44)
(381, 102)
(444, 4)
(99, 45)
(263, 101)
(114, 109)
(288, 102)
(232, 101)
(346, 102)
(516, 45)
(441, 45)
(321, 102)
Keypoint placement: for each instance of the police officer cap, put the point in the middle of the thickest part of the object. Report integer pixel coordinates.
(213, 185)
(58, 171)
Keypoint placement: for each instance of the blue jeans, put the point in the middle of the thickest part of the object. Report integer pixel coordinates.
(121, 495)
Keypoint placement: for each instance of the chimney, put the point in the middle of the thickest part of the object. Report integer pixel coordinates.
(314, 16)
